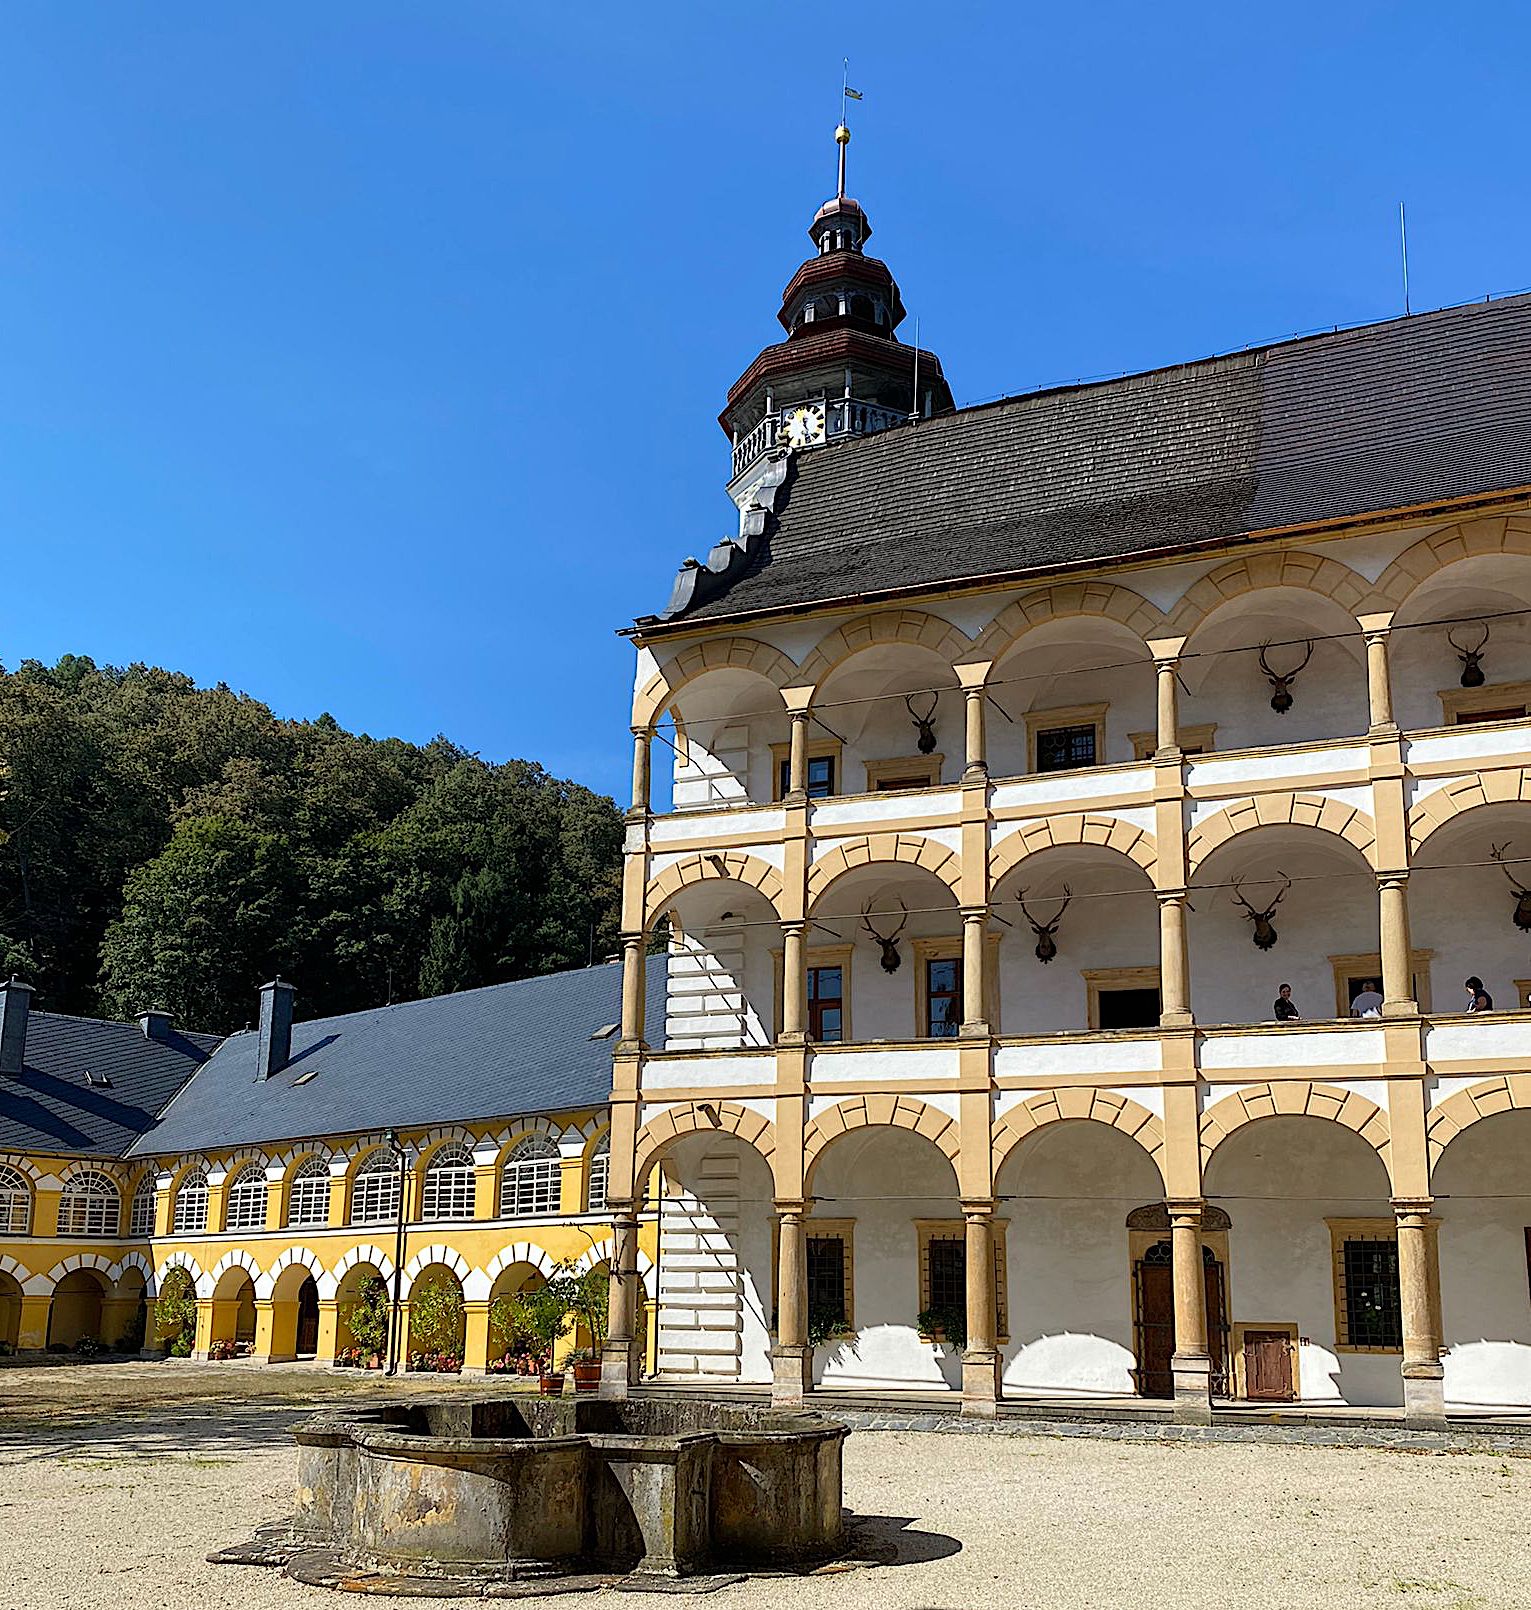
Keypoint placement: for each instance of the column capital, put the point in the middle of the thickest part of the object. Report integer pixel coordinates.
(792, 927)
(974, 913)
(1172, 897)
(797, 701)
(792, 1207)
(975, 1208)
(1392, 879)
(1186, 1210)
(1166, 650)
(641, 731)
(1376, 625)
(1413, 1207)
(972, 676)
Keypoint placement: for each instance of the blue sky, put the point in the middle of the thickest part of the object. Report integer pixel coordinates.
(366, 355)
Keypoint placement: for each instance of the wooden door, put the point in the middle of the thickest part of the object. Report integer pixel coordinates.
(1217, 1323)
(1268, 1365)
(308, 1319)
(1156, 1322)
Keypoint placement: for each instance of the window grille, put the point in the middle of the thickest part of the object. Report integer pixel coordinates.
(90, 1205)
(15, 1202)
(1373, 1304)
(529, 1182)
(1063, 748)
(191, 1203)
(245, 1204)
(943, 997)
(948, 1273)
(141, 1214)
(600, 1174)
(375, 1191)
(449, 1184)
(826, 1280)
(308, 1201)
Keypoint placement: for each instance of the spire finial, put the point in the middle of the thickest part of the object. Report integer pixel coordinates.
(842, 131)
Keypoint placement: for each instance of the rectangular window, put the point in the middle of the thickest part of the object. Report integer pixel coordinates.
(826, 1004)
(1064, 748)
(1129, 1009)
(826, 1282)
(943, 1269)
(819, 776)
(916, 771)
(943, 997)
(141, 1215)
(948, 1273)
(1372, 1311)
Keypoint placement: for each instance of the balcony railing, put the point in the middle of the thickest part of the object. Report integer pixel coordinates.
(843, 416)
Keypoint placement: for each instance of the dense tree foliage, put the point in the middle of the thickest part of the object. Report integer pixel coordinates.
(173, 846)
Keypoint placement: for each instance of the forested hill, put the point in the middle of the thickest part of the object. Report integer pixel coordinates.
(165, 845)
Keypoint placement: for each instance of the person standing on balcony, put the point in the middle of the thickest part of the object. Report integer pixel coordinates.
(1367, 1002)
(1478, 998)
(1285, 1009)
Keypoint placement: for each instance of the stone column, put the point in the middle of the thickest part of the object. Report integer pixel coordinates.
(1174, 961)
(1379, 690)
(634, 968)
(642, 742)
(792, 1357)
(1419, 1286)
(797, 759)
(621, 1356)
(1397, 959)
(1165, 670)
(975, 972)
(794, 978)
(980, 1358)
(1191, 1364)
(972, 678)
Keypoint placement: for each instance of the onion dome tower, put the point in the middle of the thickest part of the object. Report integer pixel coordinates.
(842, 371)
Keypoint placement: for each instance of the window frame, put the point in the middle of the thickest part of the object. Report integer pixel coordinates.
(1458, 702)
(1369, 964)
(549, 1179)
(599, 1168)
(305, 1172)
(17, 1201)
(1103, 979)
(1078, 715)
(942, 948)
(366, 1171)
(1344, 1232)
(928, 1230)
(244, 1177)
(146, 1192)
(1193, 740)
(818, 956)
(109, 1227)
(177, 1227)
(818, 749)
(459, 1190)
(927, 767)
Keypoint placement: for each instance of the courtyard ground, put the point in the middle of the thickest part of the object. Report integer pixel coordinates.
(118, 1479)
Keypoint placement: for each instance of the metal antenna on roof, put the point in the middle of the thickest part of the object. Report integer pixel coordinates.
(1403, 241)
(914, 409)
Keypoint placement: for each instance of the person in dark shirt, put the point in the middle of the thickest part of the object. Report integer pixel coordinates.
(1478, 998)
(1285, 1008)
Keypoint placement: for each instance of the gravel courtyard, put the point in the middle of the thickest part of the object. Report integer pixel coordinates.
(119, 1479)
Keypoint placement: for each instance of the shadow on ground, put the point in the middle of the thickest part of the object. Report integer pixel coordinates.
(889, 1540)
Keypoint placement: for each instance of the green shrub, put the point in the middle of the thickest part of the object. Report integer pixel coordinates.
(436, 1314)
(367, 1318)
(175, 1314)
(947, 1324)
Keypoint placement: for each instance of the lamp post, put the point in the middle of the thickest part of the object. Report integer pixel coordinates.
(396, 1146)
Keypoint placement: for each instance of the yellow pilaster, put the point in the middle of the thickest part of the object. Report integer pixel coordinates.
(32, 1331)
(475, 1355)
(329, 1330)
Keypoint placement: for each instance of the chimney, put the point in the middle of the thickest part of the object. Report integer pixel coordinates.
(15, 1003)
(275, 1052)
(156, 1025)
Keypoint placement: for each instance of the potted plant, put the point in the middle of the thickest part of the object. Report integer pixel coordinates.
(223, 1350)
(348, 1358)
(544, 1315)
(591, 1304)
(585, 1362)
(367, 1321)
(826, 1326)
(946, 1325)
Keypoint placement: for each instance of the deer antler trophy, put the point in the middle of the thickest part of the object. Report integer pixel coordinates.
(1471, 658)
(1522, 893)
(1281, 681)
(923, 723)
(1265, 934)
(889, 942)
(1047, 946)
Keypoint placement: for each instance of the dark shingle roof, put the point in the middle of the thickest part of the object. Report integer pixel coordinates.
(524, 1047)
(1420, 410)
(52, 1107)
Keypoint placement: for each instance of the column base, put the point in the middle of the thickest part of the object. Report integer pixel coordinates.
(619, 1368)
(1193, 1387)
(978, 772)
(1176, 1020)
(1424, 1394)
(1400, 1008)
(791, 1376)
(980, 1383)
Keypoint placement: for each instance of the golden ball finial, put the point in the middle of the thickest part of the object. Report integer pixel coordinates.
(842, 135)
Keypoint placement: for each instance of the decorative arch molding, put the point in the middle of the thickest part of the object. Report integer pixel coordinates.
(23, 1165)
(518, 1252)
(696, 1118)
(95, 1263)
(294, 1257)
(1290, 567)
(287, 1160)
(1442, 805)
(874, 1112)
(736, 866)
(448, 1258)
(1296, 1098)
(1468, 539)
(1281, 810)
(1081, 1105)
(237, 1259)
(913, 627)
(375, 1257)
(17, 1271)
(899, 849)
(1154, 1217)
(1507, 1093)
(184, 1260)
(508, 1139)
(237, 1162)
(1111, 832)
(433, 1140)
(716, 654)
(134, 1260)
(92, 1165)
(1100, 598)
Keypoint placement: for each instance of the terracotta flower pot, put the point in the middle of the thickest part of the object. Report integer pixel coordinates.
(550, 1386)
(587, 1377)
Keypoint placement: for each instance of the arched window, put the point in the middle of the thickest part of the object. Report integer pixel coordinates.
(141, 1214)
(308, 1202)
(89, 1205)
(448, 1190)
(191, 1203)
(244, 1205)
(15, 1202)
(375, 1191)
(529, 1183)
(600, 1174)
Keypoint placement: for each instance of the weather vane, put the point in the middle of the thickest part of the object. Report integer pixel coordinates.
(843, 132)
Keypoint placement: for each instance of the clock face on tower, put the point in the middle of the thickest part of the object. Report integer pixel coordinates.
(803, 426)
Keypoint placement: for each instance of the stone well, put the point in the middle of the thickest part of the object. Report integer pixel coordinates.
(515, 1487)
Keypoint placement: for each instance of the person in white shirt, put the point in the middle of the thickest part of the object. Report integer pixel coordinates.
(1368, 1003)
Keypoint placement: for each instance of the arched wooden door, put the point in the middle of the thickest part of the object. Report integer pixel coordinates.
(1154, 1306)
(308, 1319)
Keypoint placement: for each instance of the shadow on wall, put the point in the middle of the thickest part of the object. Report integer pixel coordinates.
(1070, 1362)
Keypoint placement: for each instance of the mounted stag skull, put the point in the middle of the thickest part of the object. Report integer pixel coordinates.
(1471, 658)
(923, 723)
(889, 942)
(1265, 931)
(1522, 893)
(1281, 682)
(1047, 947)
